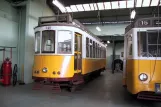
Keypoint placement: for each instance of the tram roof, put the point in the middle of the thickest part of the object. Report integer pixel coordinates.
(63, 19)
(144, 22)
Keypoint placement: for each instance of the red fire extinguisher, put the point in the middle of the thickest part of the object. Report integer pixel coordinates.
(6, 72)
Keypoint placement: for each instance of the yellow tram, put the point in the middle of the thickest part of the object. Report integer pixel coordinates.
(142, 57)
(65, 51)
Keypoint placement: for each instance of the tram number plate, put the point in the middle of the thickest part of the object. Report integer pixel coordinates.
(158, 87)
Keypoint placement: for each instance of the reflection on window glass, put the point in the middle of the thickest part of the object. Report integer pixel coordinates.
(149, 44)
(48, 41)
(130, 45)
(78, 42)
(91, 49)
(64, 42)
(37, 42)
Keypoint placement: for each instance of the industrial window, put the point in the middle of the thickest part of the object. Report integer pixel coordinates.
(48, 41)
(91, 53)
(149, 44)
(64, 42)
(37, 42)
(87, 47)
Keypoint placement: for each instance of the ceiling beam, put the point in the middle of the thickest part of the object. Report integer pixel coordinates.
(111, 37)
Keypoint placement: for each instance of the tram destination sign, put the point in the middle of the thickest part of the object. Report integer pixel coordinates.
(157, 22)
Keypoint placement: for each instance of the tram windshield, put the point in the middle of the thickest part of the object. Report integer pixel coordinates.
(149, 44)
(48, 41)
(64, 42)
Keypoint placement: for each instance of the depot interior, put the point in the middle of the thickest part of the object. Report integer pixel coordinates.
(106, 19)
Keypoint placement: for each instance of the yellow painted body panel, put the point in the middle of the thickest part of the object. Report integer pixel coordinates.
(56, 63)
(89, 65)
(64, 64)
(135, 67)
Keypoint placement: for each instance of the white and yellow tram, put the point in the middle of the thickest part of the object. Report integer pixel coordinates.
(142, 56)
(65, 51)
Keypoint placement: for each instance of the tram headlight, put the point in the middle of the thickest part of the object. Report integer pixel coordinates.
(44, 70)
(143, 77)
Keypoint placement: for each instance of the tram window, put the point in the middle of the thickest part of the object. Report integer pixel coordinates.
(149, 44)
(48, 41)
(87, 47)
(100, 52)
(78, 43)
(91, 49)
(37, 42)
(105, 53)
(129, 45)
(97, 50)
(64, 42)
(154, 43)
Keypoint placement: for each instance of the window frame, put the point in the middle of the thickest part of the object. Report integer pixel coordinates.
(147, 43)
(129, 46)
(56, 49)
(37, 52)
(87, 47)
(91, 48)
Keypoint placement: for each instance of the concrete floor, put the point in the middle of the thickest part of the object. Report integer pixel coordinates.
(104, 91)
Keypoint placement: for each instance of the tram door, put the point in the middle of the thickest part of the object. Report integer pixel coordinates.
(78, 53)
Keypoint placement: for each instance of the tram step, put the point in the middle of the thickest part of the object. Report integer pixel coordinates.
(145, 96)
(78, 82)
(56, 88)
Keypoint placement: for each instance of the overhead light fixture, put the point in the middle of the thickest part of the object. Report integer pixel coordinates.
(68, 9)
(108, 41)
(80, 7)
(122, 4)
(133, 13)
(115, 5)
(100, 6)
(139, 3)
(107, 5)
(92, 6)
(130, 4)
(73, 8)
(59, 5)
(95, 6)
(86, 7)
(154, 2)
(98, 28)
(146, 3)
